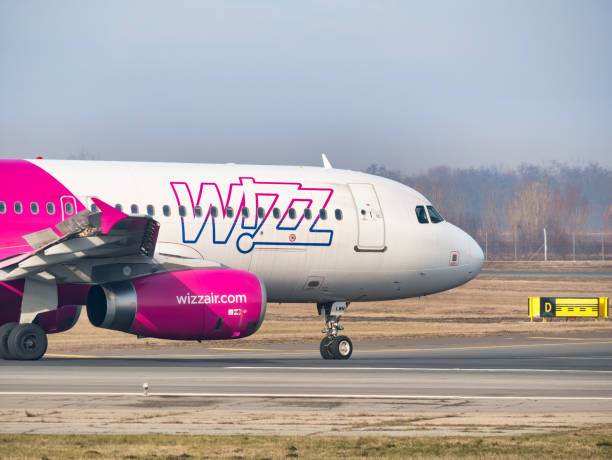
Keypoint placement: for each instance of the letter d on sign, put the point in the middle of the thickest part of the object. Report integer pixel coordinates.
(548, 307)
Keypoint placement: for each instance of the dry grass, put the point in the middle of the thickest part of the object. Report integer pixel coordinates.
(551, 266)
(595, 443)
(488, 305)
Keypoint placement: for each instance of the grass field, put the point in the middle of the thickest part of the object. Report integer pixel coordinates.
(593, 443)
(487, 305)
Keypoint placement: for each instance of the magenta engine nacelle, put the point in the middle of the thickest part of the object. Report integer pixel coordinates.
(208, 304)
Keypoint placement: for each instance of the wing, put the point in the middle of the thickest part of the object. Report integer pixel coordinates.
(95, 247)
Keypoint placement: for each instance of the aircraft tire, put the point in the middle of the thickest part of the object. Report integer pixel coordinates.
(27, 342)
(5, 331)
(341, 347)
(324, 348)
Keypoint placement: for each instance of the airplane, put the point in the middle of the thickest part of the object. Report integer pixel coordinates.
(196, 251)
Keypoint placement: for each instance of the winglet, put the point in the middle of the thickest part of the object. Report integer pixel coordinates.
(326, 163)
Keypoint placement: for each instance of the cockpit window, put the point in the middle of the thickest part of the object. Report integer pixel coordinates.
(421, 214)
(434, 215)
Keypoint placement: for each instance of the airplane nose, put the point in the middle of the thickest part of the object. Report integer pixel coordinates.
(472, 257)
(476, 255)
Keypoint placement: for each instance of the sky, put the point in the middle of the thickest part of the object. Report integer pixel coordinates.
(406, 84)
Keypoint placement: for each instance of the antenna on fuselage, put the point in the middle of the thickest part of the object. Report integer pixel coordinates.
(326, 163)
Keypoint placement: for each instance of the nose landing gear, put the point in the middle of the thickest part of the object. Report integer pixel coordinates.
(334, 346)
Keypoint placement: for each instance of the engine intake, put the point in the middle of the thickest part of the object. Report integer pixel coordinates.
(186, 305)
(113, 305)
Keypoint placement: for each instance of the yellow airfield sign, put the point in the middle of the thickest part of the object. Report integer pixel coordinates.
(567, 307)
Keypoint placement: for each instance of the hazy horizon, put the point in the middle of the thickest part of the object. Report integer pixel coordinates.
(410, 85)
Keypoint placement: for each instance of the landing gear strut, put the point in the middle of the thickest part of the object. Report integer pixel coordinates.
(334, 346)
(22, 341)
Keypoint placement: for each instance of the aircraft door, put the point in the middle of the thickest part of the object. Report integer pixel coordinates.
(371, 224)
(69, 206)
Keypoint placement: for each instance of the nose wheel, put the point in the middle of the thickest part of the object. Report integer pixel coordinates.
(339, 347)
(334, 346)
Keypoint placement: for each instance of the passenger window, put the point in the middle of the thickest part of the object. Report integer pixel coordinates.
(338, 214)
(291, 213)
(307, 214)
(18, 207)
(134, 209)
(34, 207)
(182, 211)
(323, 214)
(421, 214)
(68, 209)
(119, 207)
(198, 211)
(166, 210)
(276, 213)
(229, 212)
(245, 212)
(2, 207)
(94, 208)
(261, 213)
(50, 208)
(150, 210)
(434, 215)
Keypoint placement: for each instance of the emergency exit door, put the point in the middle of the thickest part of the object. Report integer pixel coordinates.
(371, 227)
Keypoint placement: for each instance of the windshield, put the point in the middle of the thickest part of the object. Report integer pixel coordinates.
(434, 215)
(421, 214)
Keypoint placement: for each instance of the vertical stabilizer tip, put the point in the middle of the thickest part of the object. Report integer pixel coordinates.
(326, 163)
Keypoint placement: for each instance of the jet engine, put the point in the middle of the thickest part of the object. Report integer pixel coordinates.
(203, 304)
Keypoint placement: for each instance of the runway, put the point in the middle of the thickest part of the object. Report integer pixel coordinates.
(500, 367)
(455, 386)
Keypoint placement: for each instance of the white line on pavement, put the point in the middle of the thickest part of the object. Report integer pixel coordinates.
(304, 395)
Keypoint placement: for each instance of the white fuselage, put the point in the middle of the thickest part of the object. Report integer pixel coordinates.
(372, 248)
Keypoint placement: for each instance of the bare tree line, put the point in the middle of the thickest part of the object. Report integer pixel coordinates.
(507, 210)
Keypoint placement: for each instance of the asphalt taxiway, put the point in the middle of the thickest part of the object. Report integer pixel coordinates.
(501, 367)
